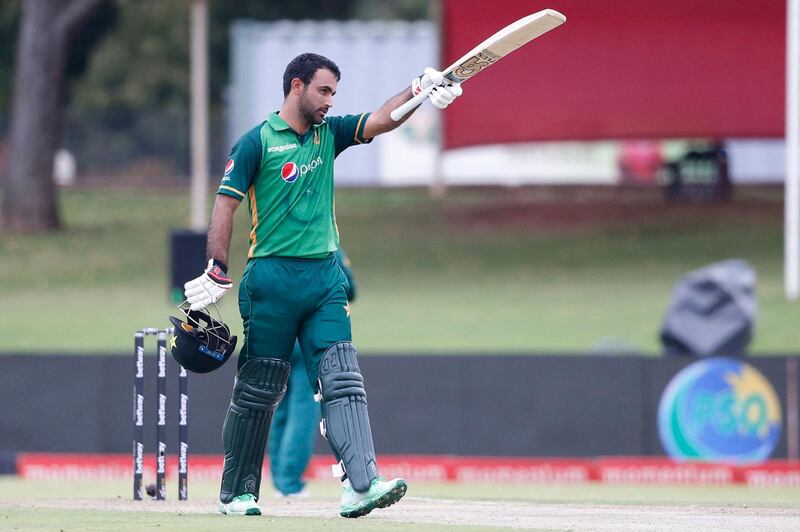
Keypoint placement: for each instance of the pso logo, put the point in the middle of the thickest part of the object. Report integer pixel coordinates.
(719, 409)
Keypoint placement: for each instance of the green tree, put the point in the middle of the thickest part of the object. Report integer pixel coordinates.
(133, 97)
(129, 113)
(10, 11)
(48, 29)
(395, 9)
(145, 62)
(10, 15)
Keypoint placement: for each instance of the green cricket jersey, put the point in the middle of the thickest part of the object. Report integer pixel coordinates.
(288, 180)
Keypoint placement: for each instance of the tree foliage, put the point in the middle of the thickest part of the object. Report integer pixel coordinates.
(135, 55)
(9, 22)
(394, 9)
(103, 20)
(123, 75)
(47, 31)
(145, 61)
(129, 111)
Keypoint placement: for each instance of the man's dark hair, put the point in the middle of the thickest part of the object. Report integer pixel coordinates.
(304, 66)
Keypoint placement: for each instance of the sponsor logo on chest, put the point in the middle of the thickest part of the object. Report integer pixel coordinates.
(282, 148)
(291, 170)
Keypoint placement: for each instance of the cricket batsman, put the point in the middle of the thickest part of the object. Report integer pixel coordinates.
(293, 288)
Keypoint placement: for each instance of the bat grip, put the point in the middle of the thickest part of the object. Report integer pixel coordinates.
(403, 110)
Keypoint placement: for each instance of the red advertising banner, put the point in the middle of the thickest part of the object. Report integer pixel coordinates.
(632, 69)
(433, 468)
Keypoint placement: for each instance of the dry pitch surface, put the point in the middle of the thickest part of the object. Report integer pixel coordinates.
(474, 513)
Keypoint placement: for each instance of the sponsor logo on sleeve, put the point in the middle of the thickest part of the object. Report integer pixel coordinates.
(228, 169)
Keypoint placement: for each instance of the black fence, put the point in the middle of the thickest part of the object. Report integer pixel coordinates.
(492, 405)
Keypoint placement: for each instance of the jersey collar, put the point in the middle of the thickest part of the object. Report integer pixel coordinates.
(279, 124)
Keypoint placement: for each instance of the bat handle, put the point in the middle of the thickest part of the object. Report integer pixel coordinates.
(403, 110)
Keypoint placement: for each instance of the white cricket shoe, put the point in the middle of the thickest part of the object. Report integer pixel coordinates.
(242, 505)
(381, 493)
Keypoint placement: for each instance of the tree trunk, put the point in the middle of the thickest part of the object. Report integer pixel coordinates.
(37, 111)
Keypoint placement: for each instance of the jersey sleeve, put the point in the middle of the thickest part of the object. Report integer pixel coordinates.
(242, 165)
(348, 130)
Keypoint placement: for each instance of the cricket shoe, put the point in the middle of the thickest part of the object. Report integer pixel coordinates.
(242, 505)
(381, 493)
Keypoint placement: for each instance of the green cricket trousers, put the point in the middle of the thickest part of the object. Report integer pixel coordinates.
(284, 299)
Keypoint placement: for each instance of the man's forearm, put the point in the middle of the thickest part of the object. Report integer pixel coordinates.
(221, 228)
(380, 121)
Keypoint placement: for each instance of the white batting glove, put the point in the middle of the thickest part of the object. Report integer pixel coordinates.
(207, 288)
(443, 93)
(430, 76)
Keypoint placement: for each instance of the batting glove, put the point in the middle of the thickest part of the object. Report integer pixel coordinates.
(444, 95)
(209, 287)
(430, 76)
(443, 92)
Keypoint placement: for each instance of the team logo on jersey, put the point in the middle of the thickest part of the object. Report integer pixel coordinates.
(289, 172)
(229, 167)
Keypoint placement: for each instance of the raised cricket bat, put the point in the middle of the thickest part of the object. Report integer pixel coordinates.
(491, 51)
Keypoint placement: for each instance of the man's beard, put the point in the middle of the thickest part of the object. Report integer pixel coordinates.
(308, 113)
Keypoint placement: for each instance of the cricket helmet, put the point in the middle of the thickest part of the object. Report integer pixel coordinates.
(199, 342)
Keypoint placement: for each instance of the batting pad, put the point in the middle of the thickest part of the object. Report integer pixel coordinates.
(257, 390)
(344, 411)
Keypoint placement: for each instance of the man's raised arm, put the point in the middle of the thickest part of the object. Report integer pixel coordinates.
(441, 96)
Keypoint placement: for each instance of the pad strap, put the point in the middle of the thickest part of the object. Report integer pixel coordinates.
(344, 411)
(257, 390)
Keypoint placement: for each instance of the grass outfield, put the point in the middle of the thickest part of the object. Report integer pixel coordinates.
(478, 271)
(69, 505)
(732, 495)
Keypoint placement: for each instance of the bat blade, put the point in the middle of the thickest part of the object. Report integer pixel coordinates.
(502, 43)
(490, 51)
